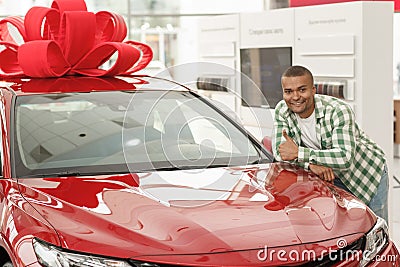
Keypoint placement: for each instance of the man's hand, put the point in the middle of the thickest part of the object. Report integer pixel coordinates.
(288, 150)
(325, 173)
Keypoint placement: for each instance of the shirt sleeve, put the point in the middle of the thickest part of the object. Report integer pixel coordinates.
(342, 151)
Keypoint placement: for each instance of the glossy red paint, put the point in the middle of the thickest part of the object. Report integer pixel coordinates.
(5, 111)
(135, 225)
(20, 223)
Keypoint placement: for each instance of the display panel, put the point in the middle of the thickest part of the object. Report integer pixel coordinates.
(264, 66)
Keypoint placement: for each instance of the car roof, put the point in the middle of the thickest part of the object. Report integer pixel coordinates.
(85, 84)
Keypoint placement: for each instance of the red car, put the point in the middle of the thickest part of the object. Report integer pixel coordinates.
(140, 171)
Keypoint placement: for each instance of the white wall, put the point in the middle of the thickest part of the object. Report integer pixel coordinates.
(9, 7)
(221, 6)
(188, 37)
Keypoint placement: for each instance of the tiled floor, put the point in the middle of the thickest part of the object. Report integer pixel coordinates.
(395, 200)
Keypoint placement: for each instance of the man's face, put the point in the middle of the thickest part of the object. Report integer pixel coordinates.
(298, 93)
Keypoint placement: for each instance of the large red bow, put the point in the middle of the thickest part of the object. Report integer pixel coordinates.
(66, 39)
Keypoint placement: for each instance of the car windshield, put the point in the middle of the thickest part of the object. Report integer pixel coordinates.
(119, 131)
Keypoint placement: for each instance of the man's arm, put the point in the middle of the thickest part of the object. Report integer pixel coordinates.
(325, 173)
(289, 150)
(281, 124)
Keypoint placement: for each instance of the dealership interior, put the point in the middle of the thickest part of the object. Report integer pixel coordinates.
(213, 47)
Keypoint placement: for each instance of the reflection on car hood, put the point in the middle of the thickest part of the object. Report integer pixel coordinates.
(195, 211)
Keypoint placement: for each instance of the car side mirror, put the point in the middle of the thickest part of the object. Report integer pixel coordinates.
(267, 143)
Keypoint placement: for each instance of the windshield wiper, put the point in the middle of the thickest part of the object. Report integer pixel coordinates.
(55, 174)
(74, 173)
(184, 167)
(261, 160)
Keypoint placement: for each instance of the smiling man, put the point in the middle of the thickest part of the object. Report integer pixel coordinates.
(319, 133)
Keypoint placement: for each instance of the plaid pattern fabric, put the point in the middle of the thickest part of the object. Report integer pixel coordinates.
(354, 158)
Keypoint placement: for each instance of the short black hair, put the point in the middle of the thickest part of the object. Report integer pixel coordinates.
(294, 71)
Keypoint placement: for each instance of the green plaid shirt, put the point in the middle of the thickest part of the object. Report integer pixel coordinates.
(355, 159)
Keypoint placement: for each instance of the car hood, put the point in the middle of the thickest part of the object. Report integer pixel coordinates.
(214, 210)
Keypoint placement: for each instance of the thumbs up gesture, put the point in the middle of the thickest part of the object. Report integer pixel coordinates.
(288, 150)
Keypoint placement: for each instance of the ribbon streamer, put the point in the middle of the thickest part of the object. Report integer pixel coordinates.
(66, 39)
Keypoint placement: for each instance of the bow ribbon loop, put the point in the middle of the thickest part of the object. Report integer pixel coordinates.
(66, 39)
(5, 35)
(110, 27)
(48, 56)
(127, 56)
(69, 5)
(34, 21)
